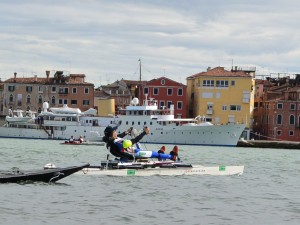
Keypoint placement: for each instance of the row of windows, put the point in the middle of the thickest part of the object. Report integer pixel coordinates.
(278, 133)
(40, 100)
(61, 90)
(280, 106)
(219, 83)
(291, 119)
(162, 104)
(169, 91)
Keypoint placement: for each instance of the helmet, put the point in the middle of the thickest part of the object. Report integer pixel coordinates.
(109, 130)
(127, 143)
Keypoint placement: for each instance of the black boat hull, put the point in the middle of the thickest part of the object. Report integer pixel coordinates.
(45, 175)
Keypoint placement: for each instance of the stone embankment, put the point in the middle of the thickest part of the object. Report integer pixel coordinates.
(269, 144)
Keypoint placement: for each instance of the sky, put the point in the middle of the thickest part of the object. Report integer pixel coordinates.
(173, 38)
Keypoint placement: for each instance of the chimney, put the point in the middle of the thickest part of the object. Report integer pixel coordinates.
(35, 78)
(15, 75)
(47, 74)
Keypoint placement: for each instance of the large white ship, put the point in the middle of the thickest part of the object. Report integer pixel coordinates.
(64, 122)
(165, 129)
(57, 123)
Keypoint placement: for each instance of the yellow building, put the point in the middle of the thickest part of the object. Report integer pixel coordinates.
(222, 96)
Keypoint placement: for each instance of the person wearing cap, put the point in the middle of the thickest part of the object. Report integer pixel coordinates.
(124, 148)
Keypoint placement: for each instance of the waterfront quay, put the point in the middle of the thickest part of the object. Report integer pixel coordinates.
(269, 144)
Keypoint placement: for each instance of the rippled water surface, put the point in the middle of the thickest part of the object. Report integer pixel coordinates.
(267, 193)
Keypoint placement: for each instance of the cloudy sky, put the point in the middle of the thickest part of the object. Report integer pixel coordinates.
(173, 38)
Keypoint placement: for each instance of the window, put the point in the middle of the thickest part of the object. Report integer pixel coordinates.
(40, 99)
(169, 103)
(63, 101)
(20, 99)
(179, 92)
(208, 83)
(40, 89)
(11, 98)
(11, 88)
(74, 90)
(222, 83)
(292, 119)
(291, 133)
(279, 119)
(246, 96)
(155, 91)
(146, 91)
(163, 82)
(179, 105)
(233, 83)
(86, 90)
(224, 107)
(85, 102)
(235, 107)
(170, 91)
(53, 100)
(63, 90)
(161, 104)
(29, 88)
(73, 102)
(28, 99)
(292, 106)
(53, 89)
(279, 105)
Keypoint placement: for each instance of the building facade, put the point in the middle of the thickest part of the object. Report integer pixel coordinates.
(61, 89)
(277, 111)
(221, 96)
(167, 92)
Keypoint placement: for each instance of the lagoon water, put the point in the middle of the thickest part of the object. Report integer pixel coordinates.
(267, 193)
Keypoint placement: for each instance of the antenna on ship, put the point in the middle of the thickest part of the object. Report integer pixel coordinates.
(140, 69)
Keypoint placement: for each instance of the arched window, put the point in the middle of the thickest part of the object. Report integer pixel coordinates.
(11, 98)
(53, 100)
(279, 119)
(28, 99)
(292, 119)
(40, 99)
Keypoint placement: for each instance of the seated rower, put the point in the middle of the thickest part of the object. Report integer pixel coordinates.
(125, 151)
(71, 140)
(80, 139)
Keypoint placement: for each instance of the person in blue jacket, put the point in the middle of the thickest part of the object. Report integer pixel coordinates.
(125, 150)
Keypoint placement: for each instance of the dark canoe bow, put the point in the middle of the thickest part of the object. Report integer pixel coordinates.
(42, 175)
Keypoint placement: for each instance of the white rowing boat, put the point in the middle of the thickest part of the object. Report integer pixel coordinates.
(163, 168)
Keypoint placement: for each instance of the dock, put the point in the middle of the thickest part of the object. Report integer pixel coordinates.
(269, 144)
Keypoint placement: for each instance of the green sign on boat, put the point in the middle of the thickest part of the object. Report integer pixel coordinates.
(130, 172)
(222, 168)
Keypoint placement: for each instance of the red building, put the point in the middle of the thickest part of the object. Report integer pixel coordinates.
(277, 111)
(166, 92)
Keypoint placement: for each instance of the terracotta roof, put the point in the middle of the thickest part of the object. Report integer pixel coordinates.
(38, 80)
(165, 78)
(220, 72)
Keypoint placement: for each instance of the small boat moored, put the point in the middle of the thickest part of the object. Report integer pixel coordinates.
(49, 174)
